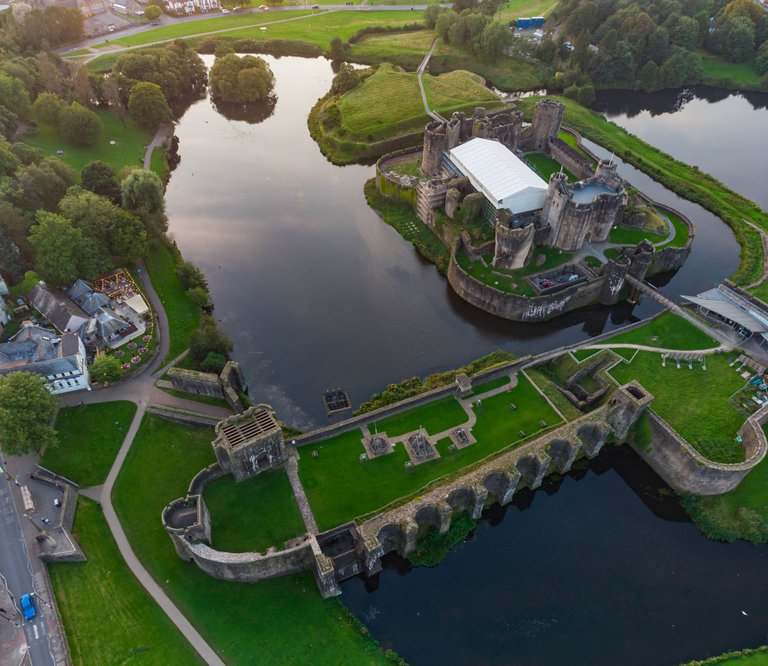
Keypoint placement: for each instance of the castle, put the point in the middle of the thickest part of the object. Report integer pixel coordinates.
(473, 171)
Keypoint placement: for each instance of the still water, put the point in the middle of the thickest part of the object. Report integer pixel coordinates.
(317, 292)
(723, 133)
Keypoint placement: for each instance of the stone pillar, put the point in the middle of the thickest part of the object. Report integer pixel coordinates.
(509, 493)
(434, 146)
(411, 532)
(513, 246)
(452, 198)
(481, 494)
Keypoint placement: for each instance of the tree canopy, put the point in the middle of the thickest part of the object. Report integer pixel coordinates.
(147, 105)
(246, 79)
(79, 126)
(26, 414)
(142, 191)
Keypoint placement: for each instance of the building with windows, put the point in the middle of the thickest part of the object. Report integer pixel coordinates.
(59, 359)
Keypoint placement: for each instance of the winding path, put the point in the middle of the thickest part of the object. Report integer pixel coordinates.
(422, 67)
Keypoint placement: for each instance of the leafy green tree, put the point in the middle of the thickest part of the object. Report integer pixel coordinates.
(649, 77)
(191, 276)
(431, 14)
(142, 190)
(105, 369)
(57, 245)
(152, 12)
(42, 185)
(99, 177)
(27, 154)
(246, 79)
(200, 297)
(208, 338)
(80, 126)
(737, 38)
(213, 362)
(8, 123)
(81, 85)
(687, 33)
(345, 80)
(761, 60)
(27, 409)
(14, 95)
(47, 109)
(337, 51)
(494, 39)
(147, 105)
(8, 161)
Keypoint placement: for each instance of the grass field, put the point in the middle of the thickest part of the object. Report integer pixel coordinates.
(572, 141)
(128, 151)
(204, 399)
(340, 486)
(720, 72)
(583, 354)
(183, 314)
(253, 514)
(666, 331)
(388, 103)
(739, 514)
(545, 166)
(683, 396)
(89, 439)
(434, 417)
(681, 228)
(686, 181)
(625, 236)
(484, 387)
(521, 8)
(282, 621)
(109, 618)
(511, 281)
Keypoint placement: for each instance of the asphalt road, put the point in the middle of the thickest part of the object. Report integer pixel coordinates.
(15, 567)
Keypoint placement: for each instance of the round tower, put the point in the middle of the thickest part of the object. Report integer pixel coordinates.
(547, 118)
(434, 147)
(615, 272)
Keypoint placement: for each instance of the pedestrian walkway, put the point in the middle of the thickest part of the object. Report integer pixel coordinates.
(292, 468)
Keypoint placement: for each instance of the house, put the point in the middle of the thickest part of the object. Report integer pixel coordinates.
(60, 359)
(60, 311)
(82, 294)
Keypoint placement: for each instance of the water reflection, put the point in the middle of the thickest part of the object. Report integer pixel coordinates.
(252, 113)
(574, 573)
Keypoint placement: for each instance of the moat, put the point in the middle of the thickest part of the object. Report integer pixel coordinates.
(317, 292)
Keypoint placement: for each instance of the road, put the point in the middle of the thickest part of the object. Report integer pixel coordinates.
(16, 567)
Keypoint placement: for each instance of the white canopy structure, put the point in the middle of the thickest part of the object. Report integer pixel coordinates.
(137, 304)
(505, 180)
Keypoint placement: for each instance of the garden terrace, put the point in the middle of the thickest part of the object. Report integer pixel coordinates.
(682, 396)
(340, 486)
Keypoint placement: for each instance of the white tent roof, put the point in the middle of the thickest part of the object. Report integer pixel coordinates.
(495, 170)
(726, 303)
(137, 304)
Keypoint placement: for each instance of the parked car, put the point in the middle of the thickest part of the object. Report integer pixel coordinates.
(315, 6)
(263, 8)
(28, 606)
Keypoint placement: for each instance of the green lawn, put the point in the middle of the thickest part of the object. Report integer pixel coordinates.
(549, 388)
(253, 514)
(545, 166)
(341, 487)
(683, 397)
(720, 72)
(89, 439)
(521, 8)
(666, 331)
(204, 399)
(511, 281)
(686, 181)
(681, 228)
(583, 354)
(573, 142)
(491, 384)
(108, 617)
(183, 314)
(622, 235)
(434, 417)
(130, 144)
(282, 621)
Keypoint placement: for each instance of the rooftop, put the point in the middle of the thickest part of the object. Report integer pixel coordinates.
(250, 425)
(727, 303)
(51, 353)
(495, 170)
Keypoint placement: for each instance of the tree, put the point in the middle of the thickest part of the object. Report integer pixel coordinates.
(110, 89)
(51, 76)
(79, 126)
(8, 161)
(99, 177)
(14, 95)
(47, 109)
(142, 191)
(431, 14)
(761, 60)
(493, 41)
(105, 369)
(200, 297)
(152, 13)
(58, 245)
(649, 77)
(8, 123)
(213, 362)
(42, 185)
(26, 414)
(148, 106)
(246, 79)
(737, 38)
(337, 52)
(191, 276)
(208, 338)
(345, 80)
(81, 85)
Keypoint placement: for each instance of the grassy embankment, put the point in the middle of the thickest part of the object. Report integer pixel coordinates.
(720, 73)
(682, 396)
(183, 314)
(109, 618)
(282, 621)
(363, 487)
(131, 143)
(386, 112)
(89, 439)
(684, 180)
(747, 657)
(667, 331)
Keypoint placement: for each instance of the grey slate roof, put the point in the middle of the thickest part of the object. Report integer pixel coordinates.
(40, 350)
(59, 310)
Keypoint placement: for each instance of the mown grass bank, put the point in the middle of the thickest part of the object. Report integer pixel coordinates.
(108, 616)
(280, 621)
(686, 181)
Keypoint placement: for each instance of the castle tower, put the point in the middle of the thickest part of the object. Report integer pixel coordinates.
(606, 174)
(435, 144)
(615, 273)
(547, 118)
(640, 259)
(481, 124)
(554, 204)
(625, 407)
(249, 443)
(513, 246)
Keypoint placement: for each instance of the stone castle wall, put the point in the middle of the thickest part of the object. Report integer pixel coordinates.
(686, 470)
